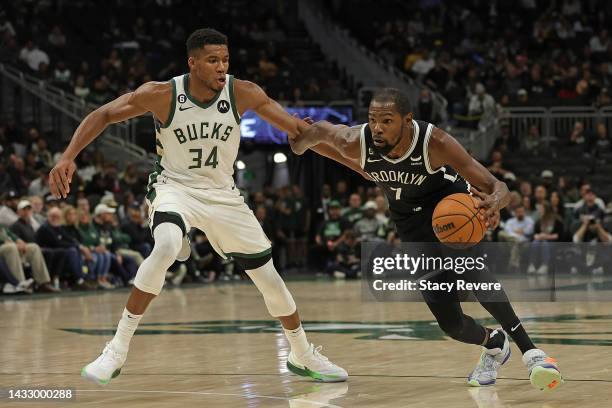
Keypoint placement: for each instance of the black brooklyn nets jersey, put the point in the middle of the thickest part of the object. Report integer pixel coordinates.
(409, 182)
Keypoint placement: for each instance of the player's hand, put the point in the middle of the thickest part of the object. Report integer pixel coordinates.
(60, 178)
(307, 119)
(488, 206)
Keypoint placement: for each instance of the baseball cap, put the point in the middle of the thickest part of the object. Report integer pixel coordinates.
(334, 203)
(547, 174)
(103, 209)
(370, 205)
(109, 200)
(24, 204)
(510, 176)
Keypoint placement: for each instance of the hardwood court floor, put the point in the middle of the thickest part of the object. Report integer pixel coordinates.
(215, 346)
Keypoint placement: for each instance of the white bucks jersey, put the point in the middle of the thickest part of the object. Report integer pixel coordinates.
(198, 144)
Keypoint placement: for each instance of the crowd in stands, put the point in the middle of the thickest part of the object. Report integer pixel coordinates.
(524, 53)
(125, 44)
(97, 237)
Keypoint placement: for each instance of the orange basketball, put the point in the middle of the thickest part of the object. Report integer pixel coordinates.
(455, 221)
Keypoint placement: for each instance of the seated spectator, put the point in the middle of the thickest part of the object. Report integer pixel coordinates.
(481, 103)
(16, 252)
(33, 56)
(531, 143)
(40, 185)
(341, 195)
(366, 229)
(116, 241)
(97, 259)
(601, 145)
(37, 209)
(539, 197)
(549, 228)
(547, 177)
(558, 207)
(592, 230)
(25, 227)
(578, 137)
(348, 258)
(519, 228)
(354, 212)
(81, 89)
(120, 268)
(589, 204)
(136, 227)
(62, 251)
(382, 209)
(497, 166)
(8, 209)
(83, 205)
(331, 233)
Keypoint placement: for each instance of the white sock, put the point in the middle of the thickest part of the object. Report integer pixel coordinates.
(125, 330)
(297, 339)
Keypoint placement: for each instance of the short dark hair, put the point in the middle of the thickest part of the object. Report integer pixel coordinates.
(205, 36)
(400, 99)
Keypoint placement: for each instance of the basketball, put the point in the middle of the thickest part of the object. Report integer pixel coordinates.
(455, 221)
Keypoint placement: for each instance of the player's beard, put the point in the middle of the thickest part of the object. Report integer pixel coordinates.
(383, 150)
(386, 149)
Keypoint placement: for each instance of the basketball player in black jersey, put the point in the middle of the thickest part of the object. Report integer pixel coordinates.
(417, 165)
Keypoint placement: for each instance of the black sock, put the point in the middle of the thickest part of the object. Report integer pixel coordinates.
(496, 339)
(520, 337)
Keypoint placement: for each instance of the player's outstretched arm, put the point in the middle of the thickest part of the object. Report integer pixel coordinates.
(250, 96)
(494, 194)
(337, 142)
(149, 97)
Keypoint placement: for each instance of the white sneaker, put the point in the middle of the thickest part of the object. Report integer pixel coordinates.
(543, 269)
(25, 286)
(490, 361)
(315, 365)
(9, 288)
(531, 269)
(543, 371)
(106, 367)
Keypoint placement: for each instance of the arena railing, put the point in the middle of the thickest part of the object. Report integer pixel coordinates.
(554, 123)
(30, 100)
(367, 67)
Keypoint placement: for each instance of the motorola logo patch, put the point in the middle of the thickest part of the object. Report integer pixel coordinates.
(223, 106)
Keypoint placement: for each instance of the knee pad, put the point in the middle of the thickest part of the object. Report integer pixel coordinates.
(152, 272)
(275, 293)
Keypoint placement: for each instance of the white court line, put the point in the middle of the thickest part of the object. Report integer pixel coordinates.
(315, 403)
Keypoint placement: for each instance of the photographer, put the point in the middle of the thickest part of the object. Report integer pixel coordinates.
(592, 231)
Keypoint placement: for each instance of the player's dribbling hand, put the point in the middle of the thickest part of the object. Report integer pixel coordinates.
(60, 178)
(488, 208)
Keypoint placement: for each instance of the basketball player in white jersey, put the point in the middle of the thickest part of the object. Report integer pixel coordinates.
(197, 124)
